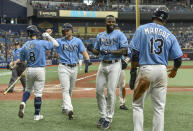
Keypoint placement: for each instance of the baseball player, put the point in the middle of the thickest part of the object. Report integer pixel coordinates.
(34, 53)
(110, 45)
(17, 67)
(122, 78)
(68, 50)
(151, 45)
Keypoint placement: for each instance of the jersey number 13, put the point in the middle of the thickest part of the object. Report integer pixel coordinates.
(158, 44)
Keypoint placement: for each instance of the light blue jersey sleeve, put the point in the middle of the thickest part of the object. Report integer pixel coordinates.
(123, 40)
(135, 42)
(175, 51)
(97, 43)
(47, 44)
(81, 46)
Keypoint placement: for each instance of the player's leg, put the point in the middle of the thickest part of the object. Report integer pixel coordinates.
(158, 96)
(29, 87)
(73, 77)
(113, 78)
(139, 97)
(122, 90)
(20, 70)
(64, 73)
(38, 91)
(100, 87)
(14, 76)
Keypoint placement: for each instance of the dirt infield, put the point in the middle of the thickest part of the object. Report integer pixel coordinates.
(84, 88)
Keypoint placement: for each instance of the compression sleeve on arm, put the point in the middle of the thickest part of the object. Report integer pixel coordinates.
(177, 62)
(134, 55)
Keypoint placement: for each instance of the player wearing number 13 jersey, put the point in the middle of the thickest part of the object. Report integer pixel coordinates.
(151, 45)
(33, 53)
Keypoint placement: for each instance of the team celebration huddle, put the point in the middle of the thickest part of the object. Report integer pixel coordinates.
(147, 54)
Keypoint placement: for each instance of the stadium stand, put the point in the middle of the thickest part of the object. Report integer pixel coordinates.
(86, 27)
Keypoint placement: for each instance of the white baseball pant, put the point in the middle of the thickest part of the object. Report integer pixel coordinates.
(157, 75)
(67, 77)
(35, 79)
(107, 74)
(122, 83)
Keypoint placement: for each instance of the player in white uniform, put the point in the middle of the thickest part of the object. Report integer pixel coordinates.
(151, 45)
(69, 50)
(33, 53)
(110, 45)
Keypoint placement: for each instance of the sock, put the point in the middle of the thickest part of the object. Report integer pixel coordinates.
(26, 96)
(37, 105)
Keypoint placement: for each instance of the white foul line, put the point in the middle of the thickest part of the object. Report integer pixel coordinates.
(85, 77)
(80, 79)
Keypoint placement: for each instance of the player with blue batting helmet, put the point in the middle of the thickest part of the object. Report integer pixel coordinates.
(66, 27)
(161, 13)
(32, 30)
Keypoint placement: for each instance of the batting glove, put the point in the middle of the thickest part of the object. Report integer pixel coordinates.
(105, 52)
(87, 64)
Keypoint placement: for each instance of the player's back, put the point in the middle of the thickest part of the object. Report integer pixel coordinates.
(154, 43)
(34, 51)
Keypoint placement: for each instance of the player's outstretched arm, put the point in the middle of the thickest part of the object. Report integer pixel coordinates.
(46, 35)
(90, 47)
(122, 51)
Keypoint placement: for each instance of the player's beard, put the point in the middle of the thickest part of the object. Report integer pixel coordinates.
(110, 28)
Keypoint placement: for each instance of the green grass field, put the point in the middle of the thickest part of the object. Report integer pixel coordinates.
(178, 115)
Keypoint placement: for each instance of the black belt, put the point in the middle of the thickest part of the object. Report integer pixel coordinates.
(109, 61)
(70, 65)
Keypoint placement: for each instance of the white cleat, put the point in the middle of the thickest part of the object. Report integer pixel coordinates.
(38, 117)
(21, 109)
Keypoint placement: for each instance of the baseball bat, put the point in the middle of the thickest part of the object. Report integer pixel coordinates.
(14, 82)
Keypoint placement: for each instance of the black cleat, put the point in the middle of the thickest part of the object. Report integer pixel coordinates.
(100, 122)
(70, 115)
(123, 107)
(21, 110)
(105, 125)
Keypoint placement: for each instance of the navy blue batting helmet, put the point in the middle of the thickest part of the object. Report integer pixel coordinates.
(16, 43)
(66, 26)
(161, 13)
(32, 30)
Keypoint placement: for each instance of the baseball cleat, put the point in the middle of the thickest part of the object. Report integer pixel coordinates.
(100, 122)
(21, 110)
(65, 111)
(38, 117)
(70, 115)
(105, 125)
(123, 107)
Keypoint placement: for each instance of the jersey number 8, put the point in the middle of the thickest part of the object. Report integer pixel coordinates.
(32, 56)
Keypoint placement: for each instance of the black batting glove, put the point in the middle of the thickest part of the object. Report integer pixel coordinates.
(87, 64)
(133, 75)
(105, 52)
